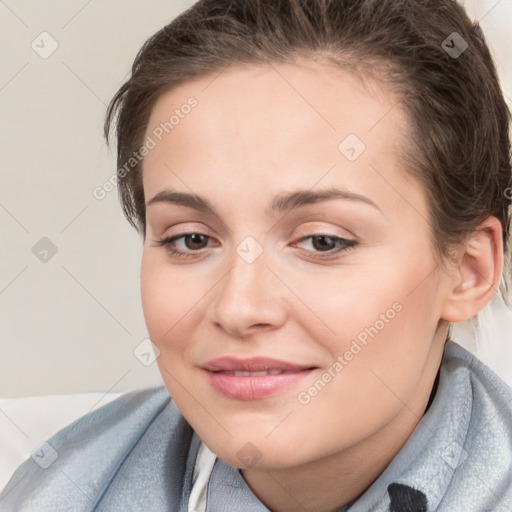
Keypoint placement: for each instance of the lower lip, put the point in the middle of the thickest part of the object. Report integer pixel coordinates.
(256, 387)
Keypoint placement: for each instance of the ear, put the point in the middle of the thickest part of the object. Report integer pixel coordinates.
(477, 276)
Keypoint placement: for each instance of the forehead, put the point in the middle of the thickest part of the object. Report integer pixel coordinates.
(266, 98)
(273, 123)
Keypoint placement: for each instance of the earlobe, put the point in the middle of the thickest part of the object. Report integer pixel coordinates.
(478, 274)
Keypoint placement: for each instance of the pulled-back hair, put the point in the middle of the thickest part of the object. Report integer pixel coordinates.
(458, 147)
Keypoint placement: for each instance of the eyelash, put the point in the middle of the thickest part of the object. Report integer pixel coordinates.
(168, 241)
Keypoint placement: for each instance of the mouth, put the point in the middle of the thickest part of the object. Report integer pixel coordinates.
(253, 374)
(255, 378)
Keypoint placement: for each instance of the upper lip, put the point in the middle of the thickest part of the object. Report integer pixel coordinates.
(253, 364)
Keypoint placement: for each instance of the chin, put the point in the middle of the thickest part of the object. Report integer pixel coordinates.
(243, 453)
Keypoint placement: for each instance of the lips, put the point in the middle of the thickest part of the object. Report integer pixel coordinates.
(255, 374)
(254, 378)
(254, 364)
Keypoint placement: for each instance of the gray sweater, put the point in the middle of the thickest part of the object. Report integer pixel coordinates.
(137, 453)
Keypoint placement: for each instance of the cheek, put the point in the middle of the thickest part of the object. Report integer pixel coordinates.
(168, 299)
(377, 317)
(171, 307)
(352, 302)
(155, 295)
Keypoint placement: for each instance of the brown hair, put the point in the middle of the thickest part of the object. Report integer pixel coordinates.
(459, 146)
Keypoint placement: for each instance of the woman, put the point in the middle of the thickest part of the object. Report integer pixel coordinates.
(322, 189)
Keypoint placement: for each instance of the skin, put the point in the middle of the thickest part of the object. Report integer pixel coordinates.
(257, 132)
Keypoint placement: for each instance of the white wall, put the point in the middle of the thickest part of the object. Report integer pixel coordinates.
(70, 324)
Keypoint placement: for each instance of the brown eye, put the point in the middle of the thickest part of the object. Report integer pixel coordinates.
(324, 243)
(191, 246)
(195, 241)
(329, 245)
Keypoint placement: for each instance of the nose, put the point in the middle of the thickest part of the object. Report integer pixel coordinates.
(249, 298)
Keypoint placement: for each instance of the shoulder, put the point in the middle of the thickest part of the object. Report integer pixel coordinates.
(485, 453)
(490, 396)
(84, 453)
(117, 421)
(461, 451)
(489, 391)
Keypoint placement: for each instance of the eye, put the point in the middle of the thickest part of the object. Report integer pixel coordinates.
(329, 245)
(192, 241)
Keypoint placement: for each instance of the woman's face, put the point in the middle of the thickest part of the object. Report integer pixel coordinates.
(340, 295)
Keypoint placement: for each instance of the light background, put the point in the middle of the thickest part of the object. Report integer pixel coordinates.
(71, 324)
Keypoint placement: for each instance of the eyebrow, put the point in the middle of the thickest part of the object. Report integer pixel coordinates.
(281, 203)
